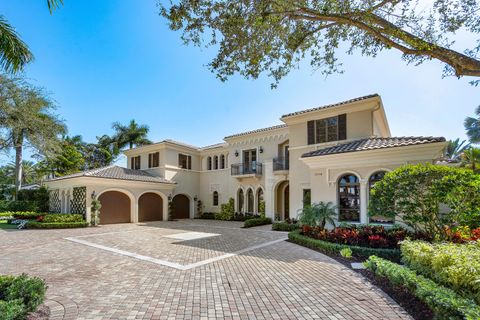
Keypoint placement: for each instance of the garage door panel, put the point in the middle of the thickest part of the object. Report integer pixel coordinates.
(150, 207)
(115, 207)
(181, 207)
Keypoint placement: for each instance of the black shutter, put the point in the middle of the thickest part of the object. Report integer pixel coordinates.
(342, 127)
(311, 132)
(150, 160)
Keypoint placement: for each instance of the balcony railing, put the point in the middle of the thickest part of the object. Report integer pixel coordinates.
(246, 168)
(280, 164)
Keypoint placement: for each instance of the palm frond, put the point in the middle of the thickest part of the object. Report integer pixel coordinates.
(54, 4)
(14, 53)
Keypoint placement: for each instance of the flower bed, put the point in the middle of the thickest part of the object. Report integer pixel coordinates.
(456, 266)
(20, 295)
(55, 225)
(444, 302)
(284, 226)
(256, 222)
(26, 215)
(363, 235)
(335, 248)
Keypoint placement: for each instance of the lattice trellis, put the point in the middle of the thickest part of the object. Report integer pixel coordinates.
(79, 200)
(54, 201)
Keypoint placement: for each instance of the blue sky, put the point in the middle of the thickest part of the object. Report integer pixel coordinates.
(106, 61)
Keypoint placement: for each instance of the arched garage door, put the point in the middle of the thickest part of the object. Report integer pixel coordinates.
(181, 207)
(150, 207)
(115, 207)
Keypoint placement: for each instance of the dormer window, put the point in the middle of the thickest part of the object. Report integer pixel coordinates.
(327, 130)
(135, 163)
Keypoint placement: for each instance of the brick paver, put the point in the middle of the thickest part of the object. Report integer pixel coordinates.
(279, 281)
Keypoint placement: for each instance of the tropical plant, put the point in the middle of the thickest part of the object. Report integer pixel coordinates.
(417, 194)
(318, 214)
(14, 53)
(455, 149)
(346, 253)
(253, 37)
(26, 120)
(471, 158)
(227, 210)
(472, 125)
(130, 135)
(95, 212)
(30, 172)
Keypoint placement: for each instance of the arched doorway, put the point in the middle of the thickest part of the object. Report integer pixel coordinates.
(115, 207)
(181, 207)
(150, 207)
(282, 200)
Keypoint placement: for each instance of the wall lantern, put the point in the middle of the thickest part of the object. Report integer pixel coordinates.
(260, 149)
(170, 197)
(236, 153)
(93, 194)
(195, 198)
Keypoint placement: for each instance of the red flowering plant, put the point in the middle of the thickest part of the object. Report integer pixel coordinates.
(39, 219)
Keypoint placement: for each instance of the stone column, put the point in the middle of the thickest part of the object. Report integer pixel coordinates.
(363, 201)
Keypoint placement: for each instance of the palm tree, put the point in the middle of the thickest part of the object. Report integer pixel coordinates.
(30, 171)
(130, 135)
(26, 121)
(14, 53)
(472, 125)
(471, 158)
(318, 214)
(455, 148)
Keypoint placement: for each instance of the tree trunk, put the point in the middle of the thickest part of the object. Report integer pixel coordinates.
(18, 163)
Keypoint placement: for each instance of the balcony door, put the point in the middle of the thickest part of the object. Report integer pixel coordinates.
(249, 160)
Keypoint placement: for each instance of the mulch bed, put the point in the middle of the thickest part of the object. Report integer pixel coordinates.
(414, 306)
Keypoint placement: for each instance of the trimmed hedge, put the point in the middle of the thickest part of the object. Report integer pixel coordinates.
(283, 226)
(20, 295)
(27, 215)
(444, 302)
(62, 217)
(335, 248)
(17, 205)
(55, 225)
(256, 222)
(456, 266)
(208, 215)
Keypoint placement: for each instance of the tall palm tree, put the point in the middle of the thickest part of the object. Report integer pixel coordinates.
(26, 121)
(455, 148)
(130, 135)
(30, 171)
(471, 158)
(14, 53)
(472, 125)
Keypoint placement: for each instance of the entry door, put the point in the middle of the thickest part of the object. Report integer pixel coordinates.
(249, 160)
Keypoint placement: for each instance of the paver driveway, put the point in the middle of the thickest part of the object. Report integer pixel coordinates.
(187, 270)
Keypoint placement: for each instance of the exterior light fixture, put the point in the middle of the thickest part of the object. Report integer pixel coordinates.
(170, 197)
(195, 198)
(236, 153)
(93, 194)
(260, 149)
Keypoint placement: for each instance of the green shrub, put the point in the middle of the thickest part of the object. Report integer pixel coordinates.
(444, 302)
(335, 248)
(39, 196)
(208, 215)
(55, 225)
(456, 266)
(22, 214)
(16, 205)
(432, 185)
(20, 295)
(62, 217)
(256, 222)
(226, 210)
(346, 253)
(283, 226)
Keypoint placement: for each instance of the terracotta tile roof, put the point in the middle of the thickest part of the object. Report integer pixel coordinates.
(214, 146)
(329, 106)
(372, 144)
(119, 173)
(280, 126)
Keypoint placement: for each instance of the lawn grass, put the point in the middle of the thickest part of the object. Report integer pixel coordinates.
(5, 225)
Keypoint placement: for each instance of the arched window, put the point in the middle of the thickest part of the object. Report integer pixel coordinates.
(250, 201)
(349, 198)
(374, 178)
(215, 198)
(209, 163)
(260, 201)
(222, 161)
(215, 162)
(241, 200)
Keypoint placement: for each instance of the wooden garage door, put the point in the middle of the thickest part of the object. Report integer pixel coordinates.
(181, 207)
(115, 207)
(150, 207)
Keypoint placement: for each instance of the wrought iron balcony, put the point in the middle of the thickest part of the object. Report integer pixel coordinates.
(280, 164)
(241, 169)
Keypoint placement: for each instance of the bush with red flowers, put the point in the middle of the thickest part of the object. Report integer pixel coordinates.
(364, 235)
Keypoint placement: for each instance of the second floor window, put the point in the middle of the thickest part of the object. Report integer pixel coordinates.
(327, 130)
(153, 160)
(215, 162)
(135, 163)
(185, 161)
(222, 161)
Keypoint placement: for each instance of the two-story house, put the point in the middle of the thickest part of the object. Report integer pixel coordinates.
(330, 153)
